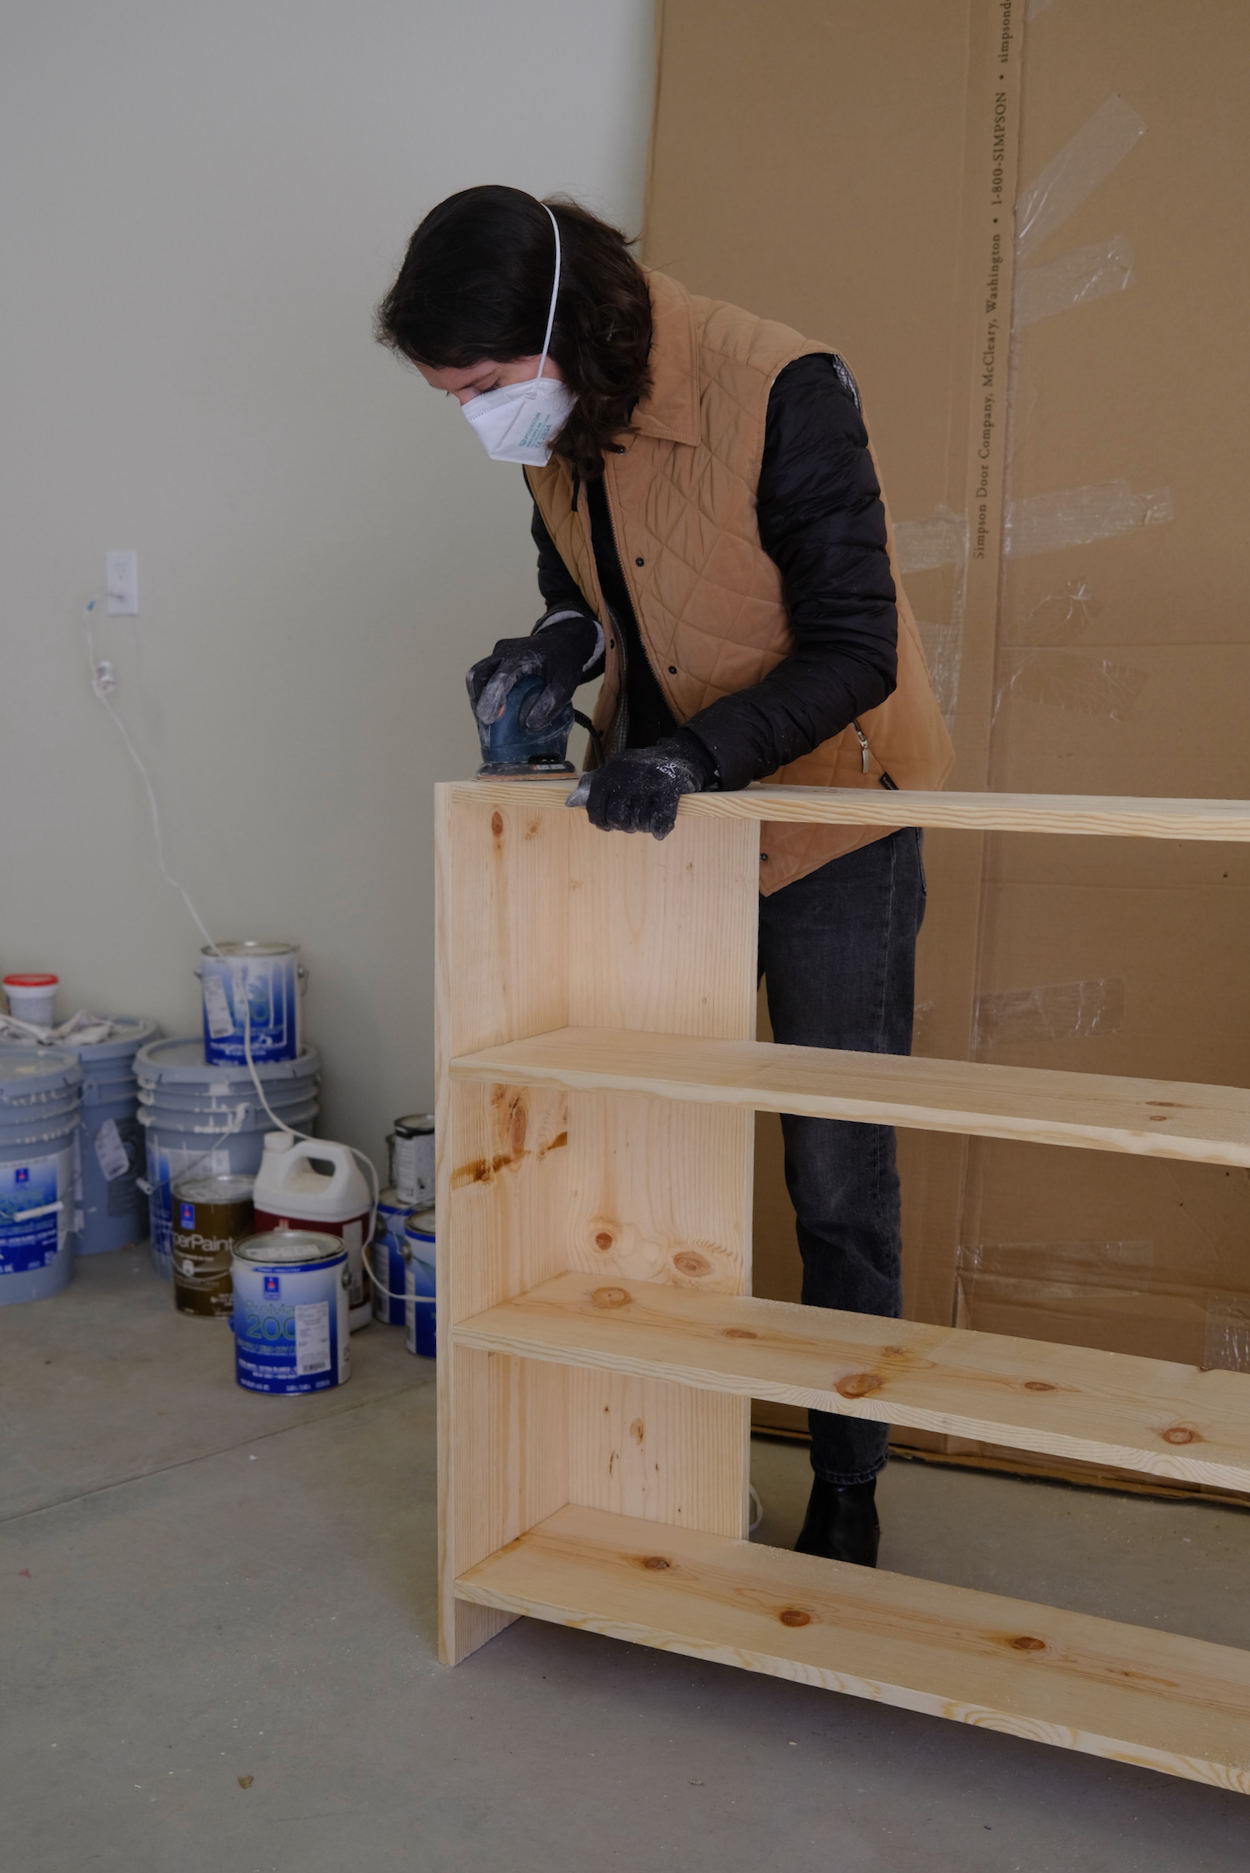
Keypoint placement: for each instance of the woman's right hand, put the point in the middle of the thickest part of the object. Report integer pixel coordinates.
(561, 652)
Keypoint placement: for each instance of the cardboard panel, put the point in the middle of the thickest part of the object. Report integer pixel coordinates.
(849, 190)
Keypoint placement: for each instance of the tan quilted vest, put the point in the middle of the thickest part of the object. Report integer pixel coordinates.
(707, 597)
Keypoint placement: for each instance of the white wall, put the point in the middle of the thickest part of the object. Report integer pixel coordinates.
(203, 205)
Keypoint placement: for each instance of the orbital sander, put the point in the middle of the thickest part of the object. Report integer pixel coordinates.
(511, 751)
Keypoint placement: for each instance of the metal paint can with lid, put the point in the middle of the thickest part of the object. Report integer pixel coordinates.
(210, 1216)
(386, 1259)
(290, 1312)
(252, 995)
(419, 1322)
(411, 1145)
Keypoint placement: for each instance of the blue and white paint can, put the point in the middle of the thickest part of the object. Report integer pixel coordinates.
(289, 1317)
(251, 992)
(386, 1259)
(39, 1171)
(419, 1335)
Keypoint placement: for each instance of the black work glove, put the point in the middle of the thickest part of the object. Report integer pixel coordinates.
(558, 652)
(639, 790)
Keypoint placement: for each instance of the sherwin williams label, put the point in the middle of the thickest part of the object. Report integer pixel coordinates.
(32, 1227)
(290, 1325)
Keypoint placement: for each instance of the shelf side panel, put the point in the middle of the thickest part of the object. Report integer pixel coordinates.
(502, 1184)
(662, 935)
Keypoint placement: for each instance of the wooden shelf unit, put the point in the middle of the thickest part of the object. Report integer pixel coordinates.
(598, 1079)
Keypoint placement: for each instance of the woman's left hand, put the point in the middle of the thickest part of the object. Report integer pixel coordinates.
(640, 789)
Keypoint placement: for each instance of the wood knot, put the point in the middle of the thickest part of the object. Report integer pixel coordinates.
(690, 1262)
(638, 1430)
(603, 1240)
(1039, 1385)
(794, 1616)
(655, 1563)
(894, 1352)
(859, 1384)
(1158, 1118)
(739, 1333)
(1026, 1643)
(496, 824)
(1181, 1434)
(609, 1297)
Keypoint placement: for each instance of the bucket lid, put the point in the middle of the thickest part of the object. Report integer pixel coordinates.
(290, 1245)
(182, 1063)
(31, 1073)
(130, 1032)
(420, 1223)
(31, 982)
(391, 1201)
(228, 1187)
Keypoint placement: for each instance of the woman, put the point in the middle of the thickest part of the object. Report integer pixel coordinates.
(712, 539)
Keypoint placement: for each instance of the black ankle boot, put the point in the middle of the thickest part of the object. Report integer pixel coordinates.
(841, 1524)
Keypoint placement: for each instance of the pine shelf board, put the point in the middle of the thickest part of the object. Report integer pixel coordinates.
(1148, 1415)
(1096, 1112)
(1128, 816)
(1128, 1693)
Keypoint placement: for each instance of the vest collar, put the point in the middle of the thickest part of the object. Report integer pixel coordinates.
(670, 409)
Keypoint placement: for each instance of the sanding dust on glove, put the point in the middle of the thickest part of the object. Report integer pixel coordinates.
(640, 789)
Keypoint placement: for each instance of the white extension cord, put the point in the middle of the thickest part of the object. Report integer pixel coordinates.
(103, 682)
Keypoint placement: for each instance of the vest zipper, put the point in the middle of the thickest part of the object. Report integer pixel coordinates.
(885, 780)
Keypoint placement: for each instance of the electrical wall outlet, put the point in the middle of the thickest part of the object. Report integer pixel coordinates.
(121, 576)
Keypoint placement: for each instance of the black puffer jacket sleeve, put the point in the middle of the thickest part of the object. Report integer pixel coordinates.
(822, 521)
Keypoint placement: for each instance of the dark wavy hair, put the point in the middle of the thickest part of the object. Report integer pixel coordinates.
(476, 283)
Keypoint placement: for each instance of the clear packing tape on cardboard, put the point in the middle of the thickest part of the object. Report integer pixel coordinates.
(1068, 517)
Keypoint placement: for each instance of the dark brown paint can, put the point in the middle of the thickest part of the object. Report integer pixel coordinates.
(210, 1215)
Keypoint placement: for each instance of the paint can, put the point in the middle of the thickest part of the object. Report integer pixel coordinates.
(211, 1215)
(412, 1158)
(419, 1324)
(304, 1183)
(39, 1170)
(203, 1118)
(386, 1259)
(289, 1315)
(260, 984)
(32, 998)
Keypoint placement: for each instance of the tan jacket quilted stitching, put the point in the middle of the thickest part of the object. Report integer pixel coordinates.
(707, 598)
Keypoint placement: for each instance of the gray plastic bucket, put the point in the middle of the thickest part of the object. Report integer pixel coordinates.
(39, 1090)
(113, 1208)
(203, 1118)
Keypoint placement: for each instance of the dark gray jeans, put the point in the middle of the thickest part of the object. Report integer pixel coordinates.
(837, 952)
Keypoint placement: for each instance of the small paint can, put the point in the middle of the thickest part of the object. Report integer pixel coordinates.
(210, 1216)
(251, 993)
(290, 1312)
(412, 1158)
(419, 1334)
(386, 1260)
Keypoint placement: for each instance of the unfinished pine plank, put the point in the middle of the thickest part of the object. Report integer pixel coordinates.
(1148, 1415)
(661, 935)
(1122, 816)
(1125, 1692)
(1092, 1111)
(502, 1185)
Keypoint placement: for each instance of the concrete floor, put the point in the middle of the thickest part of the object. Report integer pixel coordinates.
(218, 1618)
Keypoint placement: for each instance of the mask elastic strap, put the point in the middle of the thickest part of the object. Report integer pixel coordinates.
(551, 315)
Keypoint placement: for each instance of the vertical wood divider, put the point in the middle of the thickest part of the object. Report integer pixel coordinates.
(662, 937)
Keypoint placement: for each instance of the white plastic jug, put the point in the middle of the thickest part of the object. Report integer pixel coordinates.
(309, 1183)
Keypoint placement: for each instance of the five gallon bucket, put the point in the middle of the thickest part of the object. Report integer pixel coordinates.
(203, 1118)
(38, 1170)
(251, 993)
(114, 1209)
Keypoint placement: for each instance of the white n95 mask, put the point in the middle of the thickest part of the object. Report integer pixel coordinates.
(516, 422)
